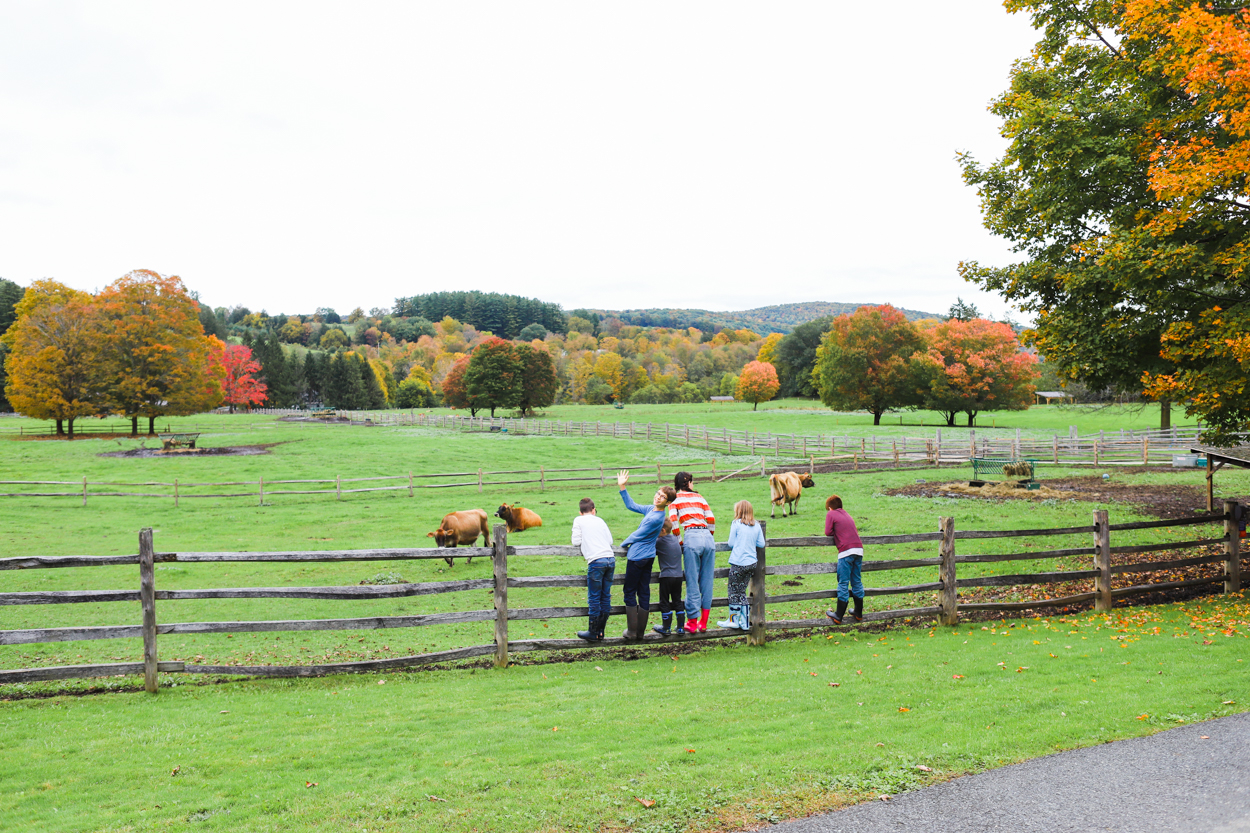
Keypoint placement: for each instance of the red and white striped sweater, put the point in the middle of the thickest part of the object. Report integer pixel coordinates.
(690, 511)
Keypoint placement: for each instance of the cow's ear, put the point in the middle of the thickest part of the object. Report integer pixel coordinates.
(429, 535)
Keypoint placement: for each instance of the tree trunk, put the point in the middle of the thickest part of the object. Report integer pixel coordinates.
(71, 428)
(60, 428)
(151, 426)
(1165, 414)
(134, 425)
(972, 418)
(755, 407)
(876, 417)
(950, 419)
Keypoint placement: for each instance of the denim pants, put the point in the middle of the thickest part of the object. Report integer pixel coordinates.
(848, 573)
(599, 586)
(638, 583)
(700, 561)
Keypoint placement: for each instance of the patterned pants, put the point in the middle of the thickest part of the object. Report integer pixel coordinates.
(739, 581)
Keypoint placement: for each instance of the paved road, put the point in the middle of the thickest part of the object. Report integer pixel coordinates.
(1172, 781)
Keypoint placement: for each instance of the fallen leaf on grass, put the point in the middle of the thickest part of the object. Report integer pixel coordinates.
(957, 676)
(223, 711)
(436, 798)
(835, 685)
(555, 728)
(310, 784)
(645, 802)
(923, 768)
(597, 668)
(1226, 702)
(879, 744)
(175, 771)
(903, 709)
(813, 673)
(691, 751)
(1207, 642)
(1143, 716)
(1022, 668)
(884, 797)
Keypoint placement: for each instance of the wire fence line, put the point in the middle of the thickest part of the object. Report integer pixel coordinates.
(942, 580)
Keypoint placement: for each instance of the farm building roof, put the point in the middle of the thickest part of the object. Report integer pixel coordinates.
(1236, 456)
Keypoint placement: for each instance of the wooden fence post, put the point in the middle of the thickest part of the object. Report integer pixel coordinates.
(409, 482)
(262, 491)
(147, 599)
(1102, 561)
(542, 478)
(601, 475)
(1054, 449)
(175, 493)
(1145, 451)
(1232, 547)
(479, 481)
(948, 596)
(500, 559)
(84, 490)
(338, 488)
(758, 632)
(658, 480)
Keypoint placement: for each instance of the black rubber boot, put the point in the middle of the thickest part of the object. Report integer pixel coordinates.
(858, 613)
(592, 631)
(681, 622)
(839, 615)
(640, 631)
(667, 627)
(600, 624)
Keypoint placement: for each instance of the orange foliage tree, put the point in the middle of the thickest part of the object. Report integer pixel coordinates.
(863, 362)
(54, 356)
(157, 353)
(974, 366)
(757, 383)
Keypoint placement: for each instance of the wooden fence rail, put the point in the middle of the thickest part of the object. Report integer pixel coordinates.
(947, 587)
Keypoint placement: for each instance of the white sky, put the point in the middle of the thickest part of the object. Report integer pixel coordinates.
(286, 155)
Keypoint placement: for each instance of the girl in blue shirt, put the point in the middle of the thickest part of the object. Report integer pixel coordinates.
(744, 536)
(640, 555)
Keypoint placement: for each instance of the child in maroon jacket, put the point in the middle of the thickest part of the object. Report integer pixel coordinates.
(840, 527)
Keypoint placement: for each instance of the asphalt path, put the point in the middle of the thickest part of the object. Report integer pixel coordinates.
(1176, 780)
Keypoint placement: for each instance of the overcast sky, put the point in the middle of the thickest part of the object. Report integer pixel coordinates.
(287, 156)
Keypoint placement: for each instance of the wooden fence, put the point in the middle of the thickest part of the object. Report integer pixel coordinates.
(261, 489)
(945, 583)
(1105, 448)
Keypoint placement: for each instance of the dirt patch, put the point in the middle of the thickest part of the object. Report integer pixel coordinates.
(319, 420)
(217, 451)
(1158, 499)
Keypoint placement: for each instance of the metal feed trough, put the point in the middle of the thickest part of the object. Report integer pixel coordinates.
(998, 469)
(178, 442)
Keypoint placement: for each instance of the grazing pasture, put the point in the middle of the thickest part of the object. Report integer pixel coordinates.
(544, 746)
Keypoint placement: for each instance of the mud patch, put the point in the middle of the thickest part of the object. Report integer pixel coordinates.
(219, 451)
(1157, 499)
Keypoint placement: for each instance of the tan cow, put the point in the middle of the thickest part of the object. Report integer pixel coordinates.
(787, 488)
(460, 529)
(518, 518)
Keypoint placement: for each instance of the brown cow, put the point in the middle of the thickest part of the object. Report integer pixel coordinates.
(461, 529)
(518, 518)
(787, 488)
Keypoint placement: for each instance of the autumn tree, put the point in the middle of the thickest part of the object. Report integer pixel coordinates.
(455, 390)
(493, 378)
(157, 355)
(239, 387)
(757, 383)
(973, 366)
(54, 356)
(1124, 191)
(863, 362)
(538, 379)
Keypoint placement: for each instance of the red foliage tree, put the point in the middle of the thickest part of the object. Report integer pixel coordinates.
(239, 386)
(455, 391)
(974, 366)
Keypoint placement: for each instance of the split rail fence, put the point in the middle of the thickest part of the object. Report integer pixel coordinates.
(1105, 448)
(944, 582)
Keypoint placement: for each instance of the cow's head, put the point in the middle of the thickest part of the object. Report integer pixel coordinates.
(504, 513)
(443, 537)
(806, 481)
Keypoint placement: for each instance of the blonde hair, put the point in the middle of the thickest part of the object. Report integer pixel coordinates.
(745, 512)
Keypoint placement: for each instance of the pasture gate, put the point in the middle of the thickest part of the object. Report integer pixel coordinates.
(945, 583)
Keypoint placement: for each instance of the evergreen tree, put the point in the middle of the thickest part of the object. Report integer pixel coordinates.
(538, 379)
(375, 397)
(313, 373)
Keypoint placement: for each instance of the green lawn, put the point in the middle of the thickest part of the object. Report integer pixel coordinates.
(544, 747)
(729, 736)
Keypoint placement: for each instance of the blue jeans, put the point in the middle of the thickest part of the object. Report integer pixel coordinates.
(848, 573)
(700, 561)
(599, 586)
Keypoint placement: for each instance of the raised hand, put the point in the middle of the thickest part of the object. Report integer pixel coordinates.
(622, 477)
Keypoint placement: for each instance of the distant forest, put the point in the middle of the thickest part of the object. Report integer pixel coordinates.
(503, 315)
(780, 318)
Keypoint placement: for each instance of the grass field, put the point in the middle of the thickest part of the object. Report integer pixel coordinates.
(377, 752)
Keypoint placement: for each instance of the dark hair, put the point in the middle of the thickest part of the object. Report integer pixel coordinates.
(670, 494)
(682, 481)
(834, 502)
(585, 505)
